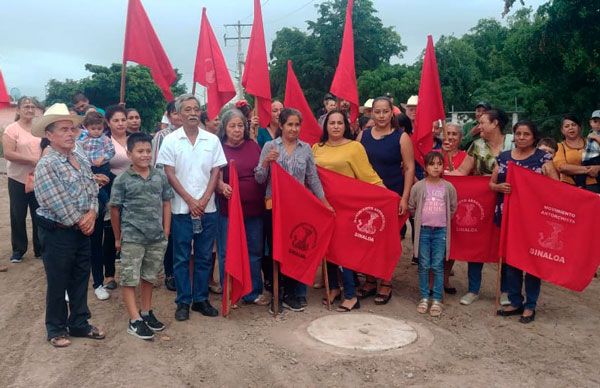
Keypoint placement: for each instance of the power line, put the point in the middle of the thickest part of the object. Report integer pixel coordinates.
(291, 13)
(240, 55)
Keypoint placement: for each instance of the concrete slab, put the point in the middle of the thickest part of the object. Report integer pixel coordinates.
(366, 332)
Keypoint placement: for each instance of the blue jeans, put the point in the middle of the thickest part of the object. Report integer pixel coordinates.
(181, 229)
(515, 285)
(254, 239)
(347, 280)
(432, 251)
(474, 274)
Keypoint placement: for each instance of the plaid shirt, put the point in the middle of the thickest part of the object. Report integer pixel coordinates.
(64, 193)
(97, 147)
(592, 149)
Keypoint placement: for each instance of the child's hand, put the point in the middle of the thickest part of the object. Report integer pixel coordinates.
(118, 245)
(99, 162)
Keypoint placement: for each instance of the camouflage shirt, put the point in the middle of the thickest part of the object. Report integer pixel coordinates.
(141, 201)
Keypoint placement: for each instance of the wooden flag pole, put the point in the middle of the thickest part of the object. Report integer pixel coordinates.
(326, 283)
(122, 91)
(228, 294)
(194, 88)
(275, 288)
(498, 284)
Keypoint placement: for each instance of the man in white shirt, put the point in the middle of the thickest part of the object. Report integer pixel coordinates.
(192, 159)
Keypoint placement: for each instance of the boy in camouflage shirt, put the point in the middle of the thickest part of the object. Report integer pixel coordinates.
(141, 219)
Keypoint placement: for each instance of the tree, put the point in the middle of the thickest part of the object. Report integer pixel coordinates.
(102, 88)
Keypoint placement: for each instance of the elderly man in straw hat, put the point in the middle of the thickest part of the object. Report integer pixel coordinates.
(67, 194)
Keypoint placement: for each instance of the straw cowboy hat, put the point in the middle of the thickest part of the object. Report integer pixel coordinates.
(57, 112)
(412, 101)
(368, 103)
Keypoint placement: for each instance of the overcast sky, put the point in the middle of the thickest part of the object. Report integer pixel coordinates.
(41, 40)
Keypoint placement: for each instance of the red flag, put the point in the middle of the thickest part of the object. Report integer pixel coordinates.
(294, 98)
(367, 227)
(431, 105)
(143, 47)
(302, 227)
(547, 228)
(4, 97)
(256, 69)
(344, 81)
(237, 261)
(474, 235)
(211, 69)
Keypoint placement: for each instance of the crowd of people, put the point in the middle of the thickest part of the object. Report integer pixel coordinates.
(99, 189)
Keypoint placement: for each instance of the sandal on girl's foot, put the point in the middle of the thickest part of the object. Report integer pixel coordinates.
(527, 319)
(423, 306)
(366, 291)
(343, 309)
(436, 309)
(60, 342)
(336, 298)
(383, 298)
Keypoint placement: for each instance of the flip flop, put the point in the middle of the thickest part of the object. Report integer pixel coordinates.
(60, 341)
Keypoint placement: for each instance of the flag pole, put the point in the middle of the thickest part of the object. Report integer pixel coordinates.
(326, 283)
(122, 91)
(275, 288)
(498, 282)
(228, 294)
(194, 88)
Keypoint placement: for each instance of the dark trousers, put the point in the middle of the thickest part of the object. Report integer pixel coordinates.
(108, 250)
(97, 256)
(19, 202)
(67, 263)
(168, 259)
(267, 260)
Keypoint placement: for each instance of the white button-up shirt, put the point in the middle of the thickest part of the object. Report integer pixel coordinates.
(192, 163)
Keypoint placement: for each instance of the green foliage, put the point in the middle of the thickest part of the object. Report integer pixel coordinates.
(102, 89)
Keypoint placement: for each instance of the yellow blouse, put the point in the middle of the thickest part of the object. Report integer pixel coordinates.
(567, 155)
(348, 159)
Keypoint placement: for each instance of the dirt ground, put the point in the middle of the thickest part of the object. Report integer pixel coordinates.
(466, 347)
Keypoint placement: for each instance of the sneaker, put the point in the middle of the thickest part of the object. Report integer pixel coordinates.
(468, 298)
(153, 324)
(183, 312)
(302, 300)
(101, 293)
(16, 258)
(66, 297)
(170, 283)
(272, 307)
(140, 330)
(504, 299)
(292, 303)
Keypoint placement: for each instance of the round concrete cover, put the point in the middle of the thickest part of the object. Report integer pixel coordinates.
(362, 332)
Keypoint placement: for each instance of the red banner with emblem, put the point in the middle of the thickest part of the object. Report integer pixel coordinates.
(547, 229)
(474, 235)
(302, 227)
(367, 227)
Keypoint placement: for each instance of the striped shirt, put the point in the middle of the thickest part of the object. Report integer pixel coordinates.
(98, 147)
(64, 193)
(157, 141)
(300, 164)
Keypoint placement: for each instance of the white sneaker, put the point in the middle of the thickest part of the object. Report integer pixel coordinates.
(66, 297)
(504, 299)
(468, 298)
(101, 293)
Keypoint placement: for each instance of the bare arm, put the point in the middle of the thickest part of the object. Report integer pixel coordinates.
(465, 167)
(498, 187)
(193, 203)
(549, 170)
(166, 218)
(210, 188)
(10, 152)
(115, 221)
(408, 161)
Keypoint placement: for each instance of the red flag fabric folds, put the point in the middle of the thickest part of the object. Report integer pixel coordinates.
(4, 97)
(431, 105)
(546, 229)
(366, 237)
(474, 235)
(143, 47)
(237, 260)
(302, 227)
(211, 69)
(294, 98)
(256, 69)
(344, 81)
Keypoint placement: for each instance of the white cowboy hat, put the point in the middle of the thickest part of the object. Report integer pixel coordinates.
(368, 103)
(57, 112)
(412, 101)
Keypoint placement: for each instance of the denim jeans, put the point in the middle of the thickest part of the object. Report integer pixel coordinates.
(347, 280)
(197, 290)
(254, 239)
(474, 271)
(515, 285)
(432, 251)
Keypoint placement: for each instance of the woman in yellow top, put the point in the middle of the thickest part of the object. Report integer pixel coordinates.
(338, 152)
(567, 159)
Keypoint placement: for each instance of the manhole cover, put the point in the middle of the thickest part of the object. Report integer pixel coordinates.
(362, 332)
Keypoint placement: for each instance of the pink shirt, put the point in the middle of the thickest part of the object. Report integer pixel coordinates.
(120, 162)
(434, 208)
(27, 144)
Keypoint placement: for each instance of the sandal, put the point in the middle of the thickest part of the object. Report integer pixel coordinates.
(60, 341)
(382, 298)
(436, 309)
(336, 298)
(94, 333)
(364, 291)
(343, 309)
(423, 306)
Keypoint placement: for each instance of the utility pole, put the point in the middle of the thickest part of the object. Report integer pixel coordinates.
(240, 55)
